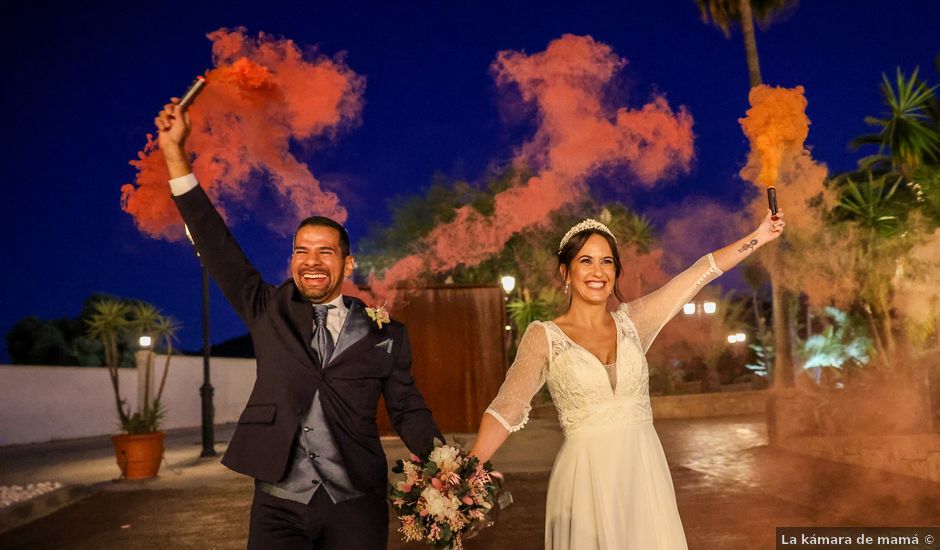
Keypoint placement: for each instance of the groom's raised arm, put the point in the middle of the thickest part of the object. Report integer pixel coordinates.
(239, 281)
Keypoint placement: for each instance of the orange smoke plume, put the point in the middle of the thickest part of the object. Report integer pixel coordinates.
(262, 94)
(776, 126)
(578, 136)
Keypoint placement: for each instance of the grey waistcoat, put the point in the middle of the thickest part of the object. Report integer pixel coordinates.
(316, 461)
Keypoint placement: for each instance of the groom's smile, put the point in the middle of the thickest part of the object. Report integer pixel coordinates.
(317, 264)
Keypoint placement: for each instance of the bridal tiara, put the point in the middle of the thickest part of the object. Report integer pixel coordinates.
(589, 223)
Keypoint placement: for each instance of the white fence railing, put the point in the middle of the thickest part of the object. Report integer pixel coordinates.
(39, 404)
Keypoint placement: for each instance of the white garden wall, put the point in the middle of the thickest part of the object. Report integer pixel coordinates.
(39, 404)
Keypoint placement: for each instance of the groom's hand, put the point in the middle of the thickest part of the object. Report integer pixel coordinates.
(173, 128)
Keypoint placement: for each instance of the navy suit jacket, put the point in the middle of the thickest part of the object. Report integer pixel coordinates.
(366, 363)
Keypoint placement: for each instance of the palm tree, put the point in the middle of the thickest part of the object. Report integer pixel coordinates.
(107, 324)
(840, 344)
(908, 135)
(148, 320)
(165, 329)
(873, 207)
(725, 14)
(635, 229)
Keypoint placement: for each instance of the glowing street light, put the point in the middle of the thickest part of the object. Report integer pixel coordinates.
(508, 282)
(740, 337)
(732, 339)
(145, 341)
(689, 308)
(709, 307)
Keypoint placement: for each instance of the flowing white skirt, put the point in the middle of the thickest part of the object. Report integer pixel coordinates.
(610, 489)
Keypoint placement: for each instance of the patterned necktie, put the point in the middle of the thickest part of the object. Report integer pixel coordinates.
(322, 340)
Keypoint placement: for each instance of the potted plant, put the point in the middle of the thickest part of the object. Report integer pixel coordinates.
(139, 449)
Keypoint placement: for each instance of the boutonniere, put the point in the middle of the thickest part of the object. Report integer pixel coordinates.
(378, 314)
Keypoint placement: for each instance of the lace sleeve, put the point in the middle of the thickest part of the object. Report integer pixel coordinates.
(651, 312)
(523, 379)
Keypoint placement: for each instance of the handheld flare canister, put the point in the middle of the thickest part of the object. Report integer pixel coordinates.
(191, 93)
(772, 200)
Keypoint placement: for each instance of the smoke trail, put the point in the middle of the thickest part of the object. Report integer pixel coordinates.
(918, 295)
(777, 126)
(641, 274)
(699, 226)
(578, 135)
(262, 94)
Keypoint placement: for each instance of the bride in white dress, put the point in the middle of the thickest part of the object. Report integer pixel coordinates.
(610, 486)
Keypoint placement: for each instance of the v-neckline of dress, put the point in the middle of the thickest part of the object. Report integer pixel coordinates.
(616, 383)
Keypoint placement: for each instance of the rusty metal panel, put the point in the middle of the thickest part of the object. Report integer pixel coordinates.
(459, 346)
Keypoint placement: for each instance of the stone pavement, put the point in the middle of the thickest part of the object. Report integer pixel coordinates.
(731, 488)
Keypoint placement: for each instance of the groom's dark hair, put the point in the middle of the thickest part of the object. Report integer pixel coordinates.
(323, 221)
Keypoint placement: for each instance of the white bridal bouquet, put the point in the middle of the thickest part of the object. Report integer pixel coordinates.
(442, 496)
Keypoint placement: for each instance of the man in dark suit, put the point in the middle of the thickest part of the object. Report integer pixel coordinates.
(308, 434)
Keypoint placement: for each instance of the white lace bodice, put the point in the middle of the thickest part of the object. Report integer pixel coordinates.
(581, 388)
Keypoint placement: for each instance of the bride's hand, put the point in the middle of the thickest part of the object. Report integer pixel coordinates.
(771, 227)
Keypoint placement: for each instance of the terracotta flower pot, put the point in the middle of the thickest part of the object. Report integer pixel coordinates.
(138, 456)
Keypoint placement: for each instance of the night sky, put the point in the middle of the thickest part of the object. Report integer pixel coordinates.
(82, 85)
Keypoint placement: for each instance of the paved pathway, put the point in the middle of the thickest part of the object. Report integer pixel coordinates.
(732, 492)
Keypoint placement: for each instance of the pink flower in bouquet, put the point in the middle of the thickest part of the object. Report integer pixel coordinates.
(467, 500)
(451, 478)
(436, 483)
(479, 480)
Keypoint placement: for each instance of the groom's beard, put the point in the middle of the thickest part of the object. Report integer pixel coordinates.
(321, 294)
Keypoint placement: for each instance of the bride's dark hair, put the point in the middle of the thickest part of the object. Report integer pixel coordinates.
(569, 252)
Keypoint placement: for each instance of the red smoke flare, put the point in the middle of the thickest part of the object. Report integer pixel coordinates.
(262, 95)
(578, 136)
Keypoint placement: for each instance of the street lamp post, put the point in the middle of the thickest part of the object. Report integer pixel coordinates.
(205, 391)
(508, 282)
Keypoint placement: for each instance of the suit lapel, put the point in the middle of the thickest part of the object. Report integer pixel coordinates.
(300, 325)
(355, 328)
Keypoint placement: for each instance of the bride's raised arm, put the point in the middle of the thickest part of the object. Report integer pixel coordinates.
(509, 411)
(651, 312)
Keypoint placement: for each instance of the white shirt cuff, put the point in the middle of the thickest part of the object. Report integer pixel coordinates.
(182, 184)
